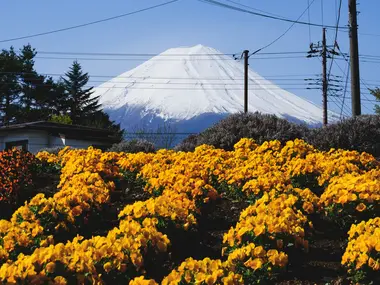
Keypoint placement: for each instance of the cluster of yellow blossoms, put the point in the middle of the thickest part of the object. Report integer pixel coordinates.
(175, 207)
(360, 191)
(204, 271)
(363, 249)
(274, 220)
(50, 157)
(256, 257)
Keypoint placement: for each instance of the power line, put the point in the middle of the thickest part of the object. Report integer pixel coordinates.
(286, 31)
(336, 35)
(88, 24)
(157, 60)
(308, 17)
(250, 7)
(345, 86)
(223, 5)
(365, 97)
(336, 103)
(184, 89)
(276, 76)
(134, 83)
(369, 34)
(345, 58)
(159, 54)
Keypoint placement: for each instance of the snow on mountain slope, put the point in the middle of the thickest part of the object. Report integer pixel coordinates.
(190, 83)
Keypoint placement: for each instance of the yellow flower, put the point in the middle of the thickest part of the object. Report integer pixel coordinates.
(59, 280)
(107, 267)
(50, 267)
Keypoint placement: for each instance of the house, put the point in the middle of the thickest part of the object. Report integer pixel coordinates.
(34, 136)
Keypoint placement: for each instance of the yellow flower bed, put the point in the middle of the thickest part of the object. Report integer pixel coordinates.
(180, 185)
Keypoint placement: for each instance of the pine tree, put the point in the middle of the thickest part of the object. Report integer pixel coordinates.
(81, 104)
(56, 100)
(376, 92)
(37, 91)
(10, 69)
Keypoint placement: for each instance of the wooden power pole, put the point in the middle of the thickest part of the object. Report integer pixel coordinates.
(324, 77)
(323, 50)
(246, 57)
(354, 58)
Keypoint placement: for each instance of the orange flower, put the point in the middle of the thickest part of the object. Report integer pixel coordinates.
(361, 207)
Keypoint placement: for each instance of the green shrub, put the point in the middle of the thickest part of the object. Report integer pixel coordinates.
(188, 144)
(133, 146)
(260, 127)
(361, 133)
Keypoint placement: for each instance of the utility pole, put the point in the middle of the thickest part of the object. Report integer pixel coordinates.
(246, 57)
(325, 51)
(324, 77)
(354, 58)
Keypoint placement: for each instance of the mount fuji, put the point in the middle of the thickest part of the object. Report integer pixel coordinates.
(192, 88)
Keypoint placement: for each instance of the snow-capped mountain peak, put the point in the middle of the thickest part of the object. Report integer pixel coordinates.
(186, 83)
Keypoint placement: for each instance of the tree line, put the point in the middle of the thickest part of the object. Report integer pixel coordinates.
(26, 95)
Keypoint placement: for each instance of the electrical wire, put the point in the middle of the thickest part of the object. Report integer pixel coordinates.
(336, 36)
(364, 95)
(308, 17)
(223, 5)
(345, 86)
(159, 54)
(156, 60)
(89, 23)
(286, 31)
(255, 9)
(276, 76)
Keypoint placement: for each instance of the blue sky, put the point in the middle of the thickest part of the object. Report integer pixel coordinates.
(187, 23)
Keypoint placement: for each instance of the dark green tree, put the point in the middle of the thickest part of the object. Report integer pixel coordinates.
(376, 93)
(101, 120)
(38, 95)
(10, 68)
(81, 103)
(57, 102)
